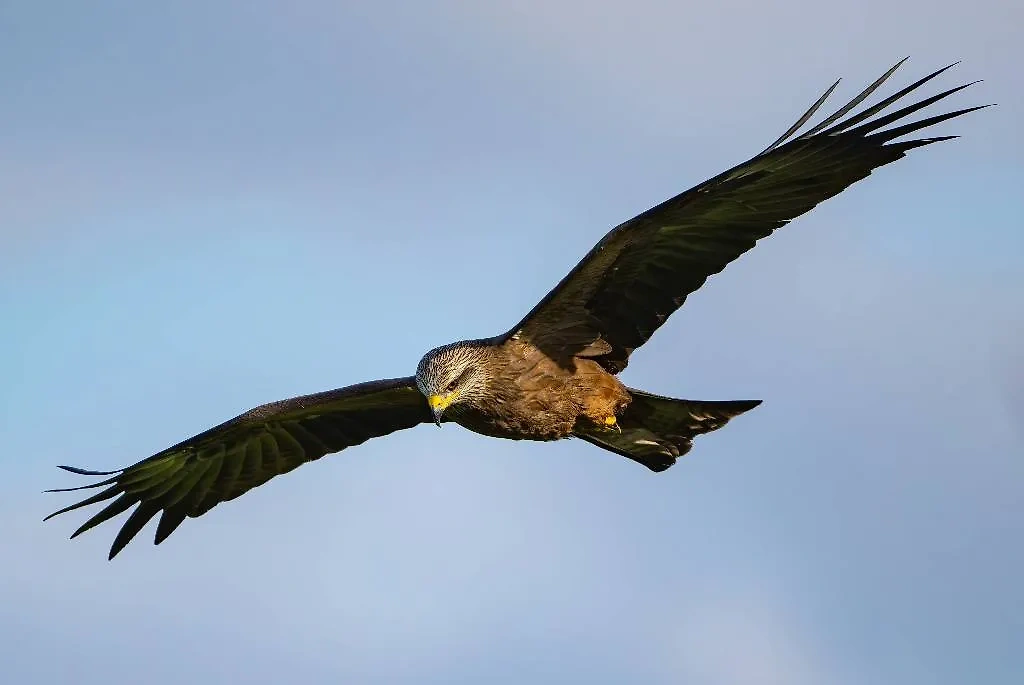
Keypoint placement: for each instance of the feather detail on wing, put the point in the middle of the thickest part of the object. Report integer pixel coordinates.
(643, 270)
(228, 460)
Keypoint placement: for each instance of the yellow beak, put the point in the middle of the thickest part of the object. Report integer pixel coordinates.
(438, 403)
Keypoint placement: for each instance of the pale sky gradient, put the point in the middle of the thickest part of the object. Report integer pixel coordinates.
(205, 206)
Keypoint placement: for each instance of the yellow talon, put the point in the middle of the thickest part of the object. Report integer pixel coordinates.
(610, 421)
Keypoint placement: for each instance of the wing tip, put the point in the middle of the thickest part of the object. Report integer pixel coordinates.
(743, 406)
(81, 529)
(91, 486)
(899, 63)
(86, 472)
(835, 124)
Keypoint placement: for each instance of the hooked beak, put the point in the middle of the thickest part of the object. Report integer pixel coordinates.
(438, 403)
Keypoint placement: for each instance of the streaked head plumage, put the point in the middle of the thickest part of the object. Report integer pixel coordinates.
(451, 374)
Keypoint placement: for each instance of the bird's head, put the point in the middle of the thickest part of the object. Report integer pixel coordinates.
(450, 375)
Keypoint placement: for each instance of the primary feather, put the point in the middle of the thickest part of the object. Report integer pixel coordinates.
(228, 460)
(643, 270)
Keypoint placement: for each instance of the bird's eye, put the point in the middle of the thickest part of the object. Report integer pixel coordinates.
(451, 387)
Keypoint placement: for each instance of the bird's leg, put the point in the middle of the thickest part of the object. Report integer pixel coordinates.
(612, 422)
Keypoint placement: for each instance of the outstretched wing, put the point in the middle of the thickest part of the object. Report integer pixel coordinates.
(642, 270)
(220, 464)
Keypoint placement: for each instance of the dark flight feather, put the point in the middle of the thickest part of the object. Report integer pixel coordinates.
(220, 464)
(643, 270)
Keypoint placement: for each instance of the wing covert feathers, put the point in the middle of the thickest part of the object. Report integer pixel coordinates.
(643, 270)
(192, 477)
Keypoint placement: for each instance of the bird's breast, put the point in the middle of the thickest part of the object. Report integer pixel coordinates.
(533, 398)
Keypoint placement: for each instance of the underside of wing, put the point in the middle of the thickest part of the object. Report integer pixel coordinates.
(226, 461)
(643, 270)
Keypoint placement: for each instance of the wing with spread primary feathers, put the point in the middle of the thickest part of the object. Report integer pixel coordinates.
(642, 271)
(228, 460)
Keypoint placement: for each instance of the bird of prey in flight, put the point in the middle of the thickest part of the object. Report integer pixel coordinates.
(554, 374)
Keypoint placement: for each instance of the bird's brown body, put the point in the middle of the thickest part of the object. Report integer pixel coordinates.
(532, 397)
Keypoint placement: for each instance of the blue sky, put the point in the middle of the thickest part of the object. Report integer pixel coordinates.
(213, 205)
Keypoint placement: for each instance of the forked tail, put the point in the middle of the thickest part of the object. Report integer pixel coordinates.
(655, 431)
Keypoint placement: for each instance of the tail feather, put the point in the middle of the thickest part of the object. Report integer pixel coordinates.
(655, 430)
